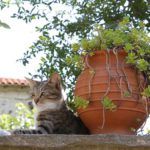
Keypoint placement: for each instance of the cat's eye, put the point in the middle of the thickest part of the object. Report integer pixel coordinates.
(32, 95)
(42, 93)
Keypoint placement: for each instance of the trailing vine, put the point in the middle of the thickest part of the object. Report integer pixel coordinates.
(92, 72)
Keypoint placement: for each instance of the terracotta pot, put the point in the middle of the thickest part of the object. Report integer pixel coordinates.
(107, 74)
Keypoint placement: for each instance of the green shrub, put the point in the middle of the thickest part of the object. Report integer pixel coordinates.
(24, 118)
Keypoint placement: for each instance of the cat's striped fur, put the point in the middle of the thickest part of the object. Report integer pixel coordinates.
(52, 115)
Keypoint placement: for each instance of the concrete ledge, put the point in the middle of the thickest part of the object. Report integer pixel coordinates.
(74, 142)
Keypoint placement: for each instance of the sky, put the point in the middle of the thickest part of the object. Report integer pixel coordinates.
(13, 43)
(16, 40)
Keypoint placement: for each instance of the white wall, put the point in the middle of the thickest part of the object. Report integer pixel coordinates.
(9, 96)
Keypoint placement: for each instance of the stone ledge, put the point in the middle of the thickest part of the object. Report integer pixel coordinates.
(74, 142)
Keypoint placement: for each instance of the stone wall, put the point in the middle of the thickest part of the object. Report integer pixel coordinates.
(74, 142)
(10, 95)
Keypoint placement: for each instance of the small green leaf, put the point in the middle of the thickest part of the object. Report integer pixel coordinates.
(33, 17)
(131, 58)
(127, 94)
(75, 47)
(146, 92)
(43, 59)
(108, 104)
(142, 64)
(80, 102)
(43, 38)
(128, 47)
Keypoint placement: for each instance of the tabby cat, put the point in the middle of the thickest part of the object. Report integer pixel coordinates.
(52, 115)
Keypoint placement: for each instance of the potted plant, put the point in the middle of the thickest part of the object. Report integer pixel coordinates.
(115, 79)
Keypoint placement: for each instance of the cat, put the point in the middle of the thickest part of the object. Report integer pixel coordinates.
(52, 115)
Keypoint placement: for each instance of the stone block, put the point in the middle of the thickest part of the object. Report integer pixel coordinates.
(74, 142)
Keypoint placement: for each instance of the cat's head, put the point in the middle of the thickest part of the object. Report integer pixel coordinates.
(46, 92)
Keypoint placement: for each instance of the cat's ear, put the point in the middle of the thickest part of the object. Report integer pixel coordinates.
(55, 78)
(31, 82)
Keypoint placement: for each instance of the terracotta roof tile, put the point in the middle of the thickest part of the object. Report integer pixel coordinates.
(13, 82)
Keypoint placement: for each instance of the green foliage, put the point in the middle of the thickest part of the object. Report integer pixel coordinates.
(78, 103)
(142, 64)
(23, 120)
(131, 58)
(108, 104)
(147, 92)
(124, 36)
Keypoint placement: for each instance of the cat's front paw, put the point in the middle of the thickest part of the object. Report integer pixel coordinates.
(16, 132)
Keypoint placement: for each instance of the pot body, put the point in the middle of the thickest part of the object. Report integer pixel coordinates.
(107, 75)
